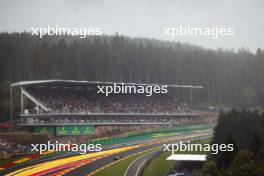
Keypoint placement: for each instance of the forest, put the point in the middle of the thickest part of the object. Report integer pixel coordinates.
(243, 129)
(231, 78)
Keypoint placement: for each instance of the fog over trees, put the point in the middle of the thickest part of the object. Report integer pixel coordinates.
(231, 78)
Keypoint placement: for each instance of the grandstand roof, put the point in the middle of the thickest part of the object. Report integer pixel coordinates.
(66, 83)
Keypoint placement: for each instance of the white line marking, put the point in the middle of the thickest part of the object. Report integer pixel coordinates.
(141, 166)
(131, 165)
(136, 160)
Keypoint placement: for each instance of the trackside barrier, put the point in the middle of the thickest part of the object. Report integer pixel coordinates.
(128, 136)
(153, 155)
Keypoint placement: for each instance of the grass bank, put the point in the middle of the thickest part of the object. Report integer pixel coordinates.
(159, 166)
(118, 168)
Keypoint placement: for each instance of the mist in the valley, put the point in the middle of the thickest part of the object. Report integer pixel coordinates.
(143, 18)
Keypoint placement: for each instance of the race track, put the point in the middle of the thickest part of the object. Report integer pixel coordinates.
(87, 164)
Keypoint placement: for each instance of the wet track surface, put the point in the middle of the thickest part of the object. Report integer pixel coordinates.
(75, 164)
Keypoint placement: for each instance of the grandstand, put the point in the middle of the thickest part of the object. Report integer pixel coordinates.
(66, 107)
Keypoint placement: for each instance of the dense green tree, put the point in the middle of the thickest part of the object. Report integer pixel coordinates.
(224, 158)
(244, 129)
(256, 144)
(210, 169)
(243, 165)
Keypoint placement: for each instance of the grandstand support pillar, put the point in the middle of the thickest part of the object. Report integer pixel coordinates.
(208, 93)
(191, 93)
(37, 109)
(191, 97)
(11, 108)
(22, 101)
(178, 90)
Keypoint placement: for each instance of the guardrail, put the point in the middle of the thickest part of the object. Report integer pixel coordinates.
(153, 155)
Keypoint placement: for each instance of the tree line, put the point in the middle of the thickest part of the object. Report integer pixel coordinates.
(245, 130)
(231, 78)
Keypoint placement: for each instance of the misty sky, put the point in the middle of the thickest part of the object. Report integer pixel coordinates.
(143, 18)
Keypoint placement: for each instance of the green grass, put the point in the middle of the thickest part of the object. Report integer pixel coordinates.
(119, 168)
(157, 134)
(159, 166)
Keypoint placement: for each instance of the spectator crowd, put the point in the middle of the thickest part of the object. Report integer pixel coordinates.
(69, 101)
(9, 149)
